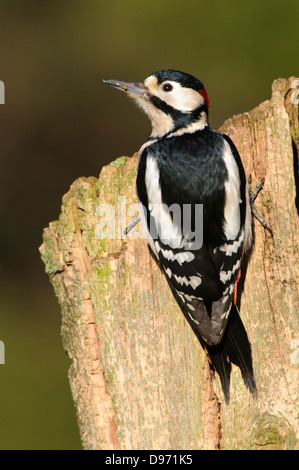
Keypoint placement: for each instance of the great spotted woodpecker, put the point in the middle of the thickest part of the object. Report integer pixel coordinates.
(187, 166)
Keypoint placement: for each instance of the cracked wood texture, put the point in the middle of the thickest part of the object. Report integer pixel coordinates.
(138, 376)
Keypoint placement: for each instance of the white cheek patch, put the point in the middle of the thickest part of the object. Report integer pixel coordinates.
(181, 98)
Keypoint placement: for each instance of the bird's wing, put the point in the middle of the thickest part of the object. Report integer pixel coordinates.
(201, 278)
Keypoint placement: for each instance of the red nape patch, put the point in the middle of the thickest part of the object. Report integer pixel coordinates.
(204, 94)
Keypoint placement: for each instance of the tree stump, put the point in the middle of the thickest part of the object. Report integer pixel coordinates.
(139, 377)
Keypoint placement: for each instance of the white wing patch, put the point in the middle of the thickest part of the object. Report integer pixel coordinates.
(168, 232)
(232, 195)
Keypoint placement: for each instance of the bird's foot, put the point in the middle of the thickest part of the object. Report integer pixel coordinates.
(253, 197)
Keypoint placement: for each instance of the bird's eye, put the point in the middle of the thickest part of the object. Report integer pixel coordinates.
(167, 87)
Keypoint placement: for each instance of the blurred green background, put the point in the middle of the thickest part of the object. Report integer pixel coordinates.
(60, 122)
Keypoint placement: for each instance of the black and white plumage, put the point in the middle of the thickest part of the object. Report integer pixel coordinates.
(188, 166)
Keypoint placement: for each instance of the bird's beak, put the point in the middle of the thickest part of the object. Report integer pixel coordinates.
(133, 88)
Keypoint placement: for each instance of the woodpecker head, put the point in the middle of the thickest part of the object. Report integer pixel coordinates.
(174, 101)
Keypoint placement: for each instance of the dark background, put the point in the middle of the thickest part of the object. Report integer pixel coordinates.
(60, 122)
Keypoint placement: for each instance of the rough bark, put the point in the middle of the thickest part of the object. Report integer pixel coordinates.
(139, 378)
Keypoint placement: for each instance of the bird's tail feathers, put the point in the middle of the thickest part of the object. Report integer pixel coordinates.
(233, 348)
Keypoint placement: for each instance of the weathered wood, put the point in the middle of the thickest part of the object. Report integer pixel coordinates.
(139, 378)
(270, 304)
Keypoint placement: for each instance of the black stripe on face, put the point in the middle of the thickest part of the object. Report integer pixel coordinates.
(181, 119)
